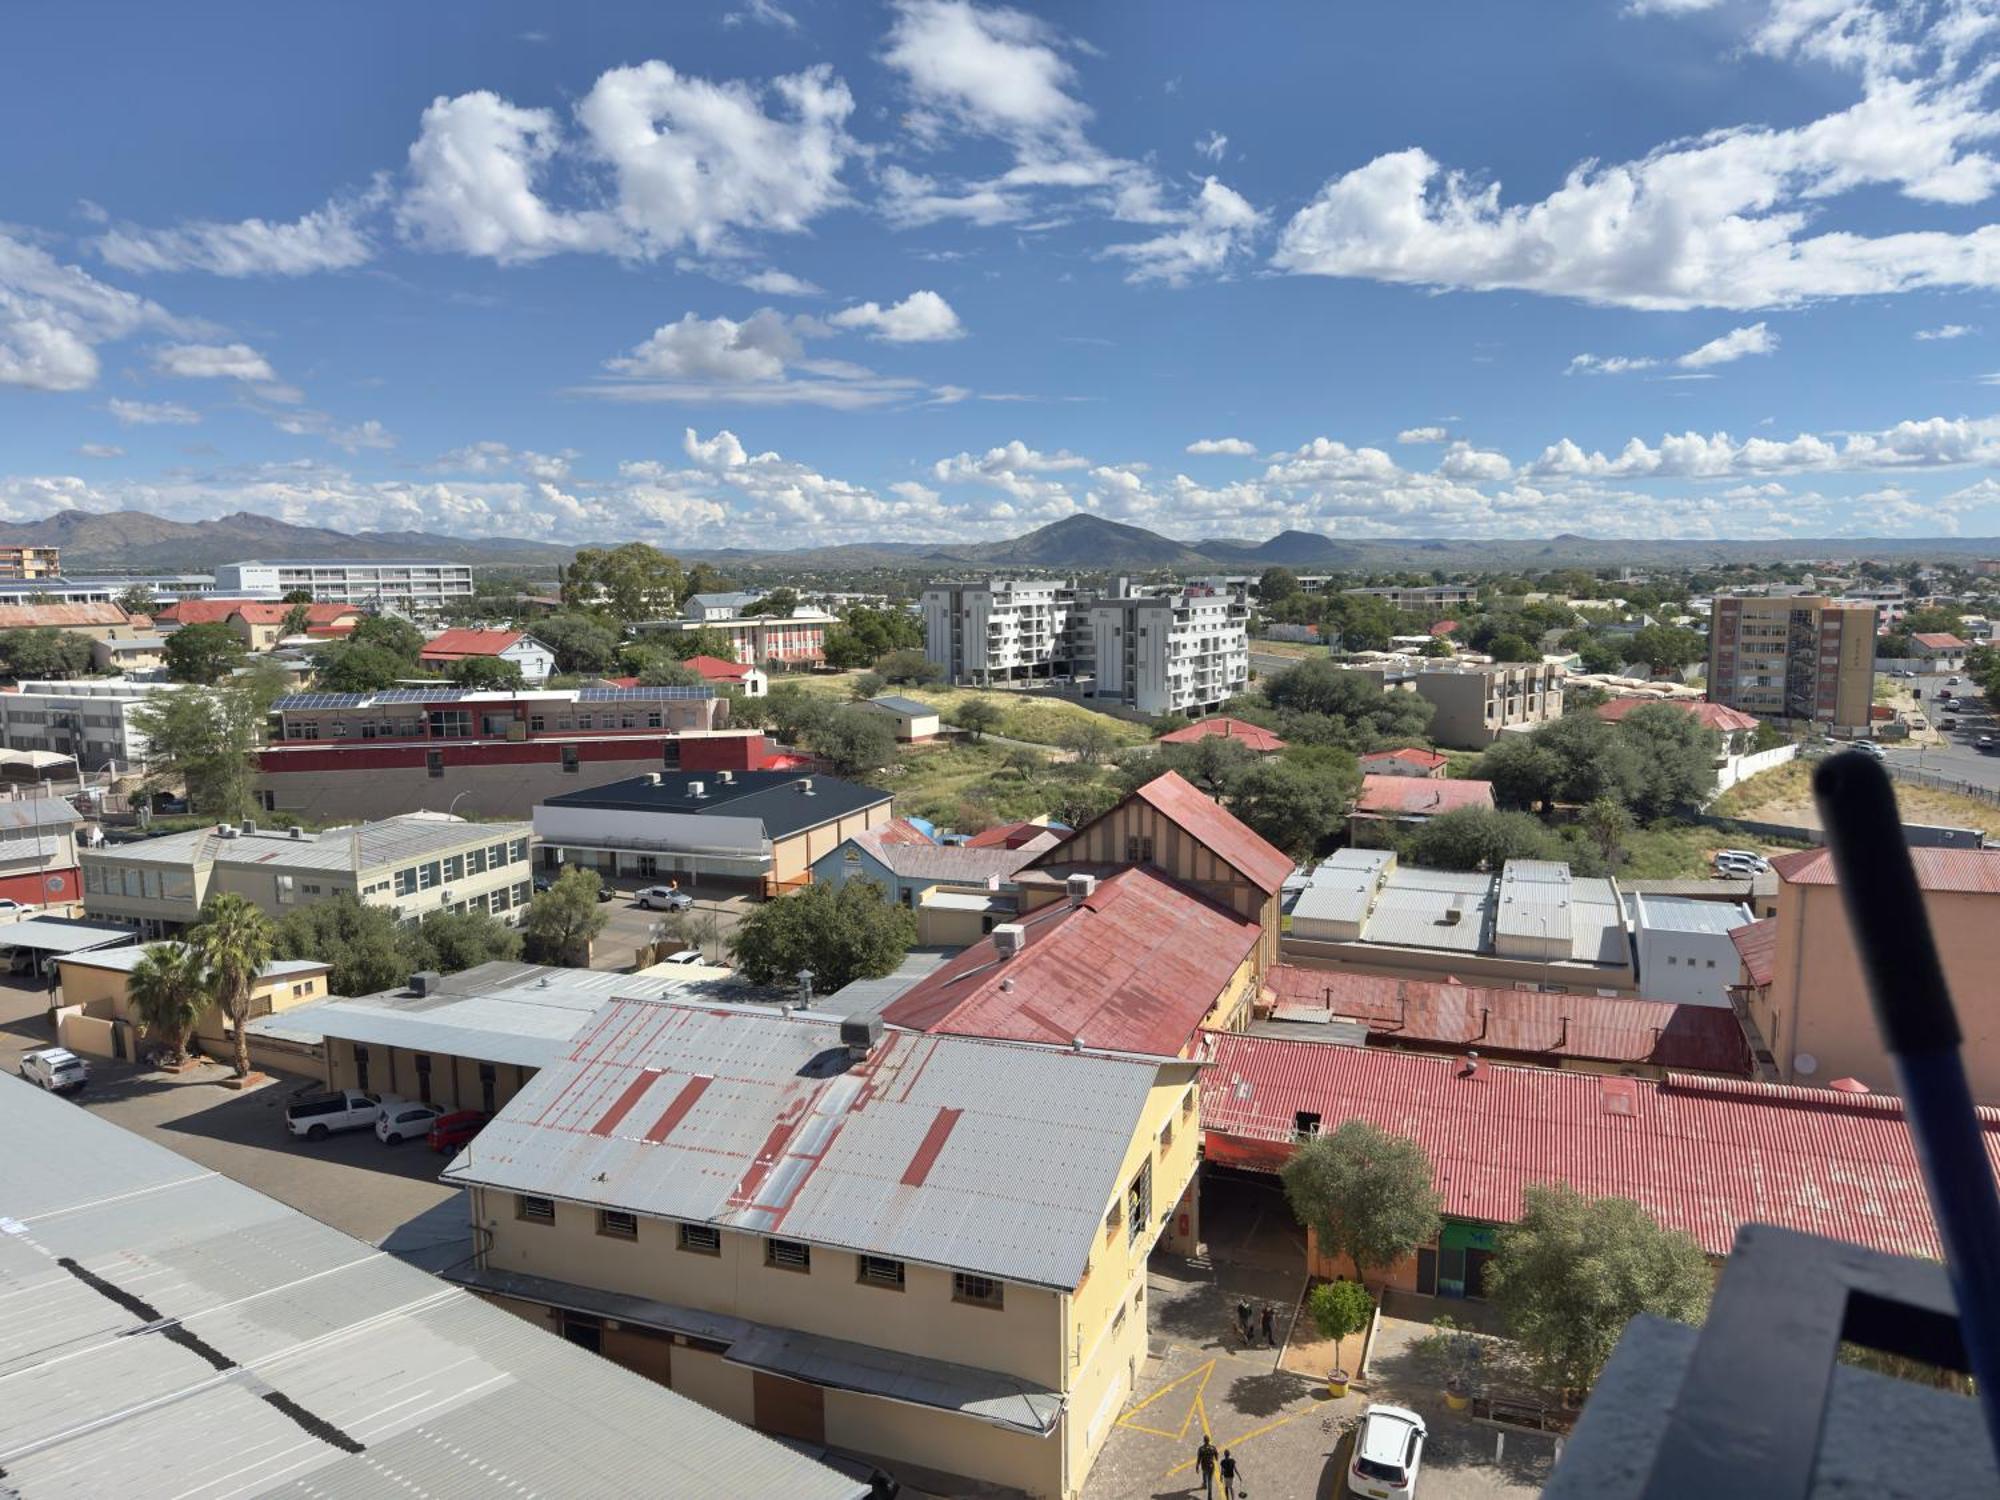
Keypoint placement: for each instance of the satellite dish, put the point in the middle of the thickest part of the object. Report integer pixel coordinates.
(1805, 1062)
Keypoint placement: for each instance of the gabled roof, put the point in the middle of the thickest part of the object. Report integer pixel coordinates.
(1757, 945)
(909, 708)
(947, 864)
(1133, 967)
(715, 669)
(902, 831)
(1430, 760)
(1701, 1155)
(202, 611)
(1939, 640)
(1418, 796)
(783, 802)
(1015, 836)
(1251, 736)
(1209, 824)
(1960, 870)
(977, 1155)
(459, 644)
(1444, 627)
(321, 615)
(1717, 716)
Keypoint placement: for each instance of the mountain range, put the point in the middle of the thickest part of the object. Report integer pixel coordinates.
(138, 542)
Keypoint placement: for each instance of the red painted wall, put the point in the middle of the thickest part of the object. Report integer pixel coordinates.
(734, 752)
(33, 888)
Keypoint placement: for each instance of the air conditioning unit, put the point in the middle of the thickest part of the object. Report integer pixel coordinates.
(227, 831)
(1081, 887)
(697, 789)
(425, 982)
(1009, 938)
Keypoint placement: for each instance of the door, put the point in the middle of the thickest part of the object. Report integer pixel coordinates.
(649, 866)
(1451, 1272)
(118, 1045)
(1427, 1271)
(789, 1408)
(1475, 1272)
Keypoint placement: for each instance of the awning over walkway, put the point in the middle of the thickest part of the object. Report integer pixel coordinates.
(58, 935)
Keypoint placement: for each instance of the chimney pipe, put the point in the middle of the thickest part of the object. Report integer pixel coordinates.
(1471, 1065)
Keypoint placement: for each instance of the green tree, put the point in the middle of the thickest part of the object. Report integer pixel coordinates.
(1339, 1308)
(1590, 759)
(705, 640)
(353, 666)
(866, 633)
(1594, 652)
(1211, 764)
(138, 600)
(1522, 772)
(1675, 755)
(665, 672)
(1665, 648)
(169, 990)
(43, 652)
(579, 643)
(1366, 1193)
(297, 596)
(1319, 702)
(629, 582)
(1296, 804)
(854, 740)
(449, 941)
(1478, 838)
(363, 945)
(234, 940)
(908, 665)
(1606, 823)
(562, 920)
(1088, 739)
(205, 741)
(203, 653)
(793, 713)
(398, 637)
(866, 685)
(297, 618)
(484, 672)
(1275, 584)
(840, 932)
(1508, 646)
(1573, 1271)
(778, 604)
(977, 717)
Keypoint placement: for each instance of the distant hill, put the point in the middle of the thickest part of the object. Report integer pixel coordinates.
(1085, 541)
(135, 541)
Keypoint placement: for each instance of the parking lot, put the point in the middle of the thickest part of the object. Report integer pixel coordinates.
(386, 1195)
(631, 926)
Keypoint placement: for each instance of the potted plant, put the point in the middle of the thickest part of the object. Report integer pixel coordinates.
(1454, 1355)
(1339, 1308)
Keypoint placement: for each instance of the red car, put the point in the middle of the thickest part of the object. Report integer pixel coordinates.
(449, 1132)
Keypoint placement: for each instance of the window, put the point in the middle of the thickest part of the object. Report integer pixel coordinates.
(1139, 1204)
(475, 862)
(585, 721)
(427, 876)
(1166, 1137)
(424, 1077)
(879, 1270)
(615, 1225)
(584, 1331)
(1113, 1220)
(523, 893)
(406, 881)
(980, 1291)
(286, 891)
(496, 855)
(487, 1075)
(701, 1239)
(537, 723)
(434, 764)
(518, 850)
(1305, 1123)
(535, 1210)
(788, 1255)
(1187, 1104)
(1138, 850)
(454, 868)
(569, 760)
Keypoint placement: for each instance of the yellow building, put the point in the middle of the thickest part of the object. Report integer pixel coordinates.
(915, 1249)
(30, 562)
(1793, 657)
(1814, 1016)
(97, 1017)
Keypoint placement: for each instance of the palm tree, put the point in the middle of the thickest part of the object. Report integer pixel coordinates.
(234, 943)
(169, 990)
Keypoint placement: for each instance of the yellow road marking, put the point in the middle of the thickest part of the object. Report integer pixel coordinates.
(1200, 1375)
(1235, 1443)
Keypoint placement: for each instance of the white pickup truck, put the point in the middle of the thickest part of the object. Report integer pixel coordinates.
(320, 1116)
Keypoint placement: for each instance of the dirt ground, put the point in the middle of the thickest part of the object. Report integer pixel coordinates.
(1785, 796)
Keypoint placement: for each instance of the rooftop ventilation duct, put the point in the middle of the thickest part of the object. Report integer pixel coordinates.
(425, 982)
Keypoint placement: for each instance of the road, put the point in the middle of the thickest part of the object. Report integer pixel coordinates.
(1959, 758)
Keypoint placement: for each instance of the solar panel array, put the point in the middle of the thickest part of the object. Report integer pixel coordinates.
(295, 702)
(639, 694)
(292, 701)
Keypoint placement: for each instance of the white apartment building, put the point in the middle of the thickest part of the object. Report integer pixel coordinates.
(1420, 599)
(999, 630)
(1182, 652)
(408, 587)
(85, 720)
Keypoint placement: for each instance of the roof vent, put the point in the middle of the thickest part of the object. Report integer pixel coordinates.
(1081, 888)
(298, 832)
(653, 778)
(697, 789)
(1471, 1065)
(1009, 938)
(727, 778)
(806, 787)
(227, 831)
(425, 982)
(248, 826)
(860, 1035)
(1453, 914)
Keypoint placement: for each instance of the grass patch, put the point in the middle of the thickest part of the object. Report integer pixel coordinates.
(1785, 796)
(1458, 764)
(1040, 721)
(969, 787)
(1300, 650)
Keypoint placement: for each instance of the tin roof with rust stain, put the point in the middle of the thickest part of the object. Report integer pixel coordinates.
(1963, 871)
(1211, 825)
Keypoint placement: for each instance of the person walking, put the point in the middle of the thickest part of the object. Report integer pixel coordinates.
(1270, 1325)
(1243, 1311)
(1228, 1475)
(1204, 1460)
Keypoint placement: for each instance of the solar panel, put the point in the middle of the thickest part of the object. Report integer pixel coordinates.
(295, 701)
(639, 694)
(420, 695)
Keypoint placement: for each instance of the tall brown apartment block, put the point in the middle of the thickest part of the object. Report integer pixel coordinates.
(1793, 658)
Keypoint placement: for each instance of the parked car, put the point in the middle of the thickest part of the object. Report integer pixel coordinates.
(1870, 749)
(1750, 854)
(1952, 705)
(56, 1069)
(1947, 723)
(543, 882)
(320, 1116)
(606, 892)
(449, 1132)
(685, 956)
(1986, 743)
(665, 898)
(1388, 1450)
(402, 1121)
(9, 909)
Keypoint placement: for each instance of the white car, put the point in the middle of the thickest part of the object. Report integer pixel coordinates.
(1735, 856)
(1388, 1449)
(1870, 749)
(10, 909)
(402, 1121)
(685, 956)
(56, 1069)
(664, 898)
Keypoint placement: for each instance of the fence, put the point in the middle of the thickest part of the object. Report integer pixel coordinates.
(1917, 777)
(1917, 835)
(1743, 767)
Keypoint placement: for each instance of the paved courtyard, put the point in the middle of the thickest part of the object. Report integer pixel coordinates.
(631, 925)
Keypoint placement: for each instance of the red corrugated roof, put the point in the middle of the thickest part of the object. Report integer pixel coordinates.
(1419, 796)
(1939, 640)
(1444, 627)
(1698, 1038)
(1702, 1155)
(1430, 760)
(1757, 945)
(268, 613)
(1717, 716)
(1133, 968)
(1250, 736)
(1962, 870)
(902, 831)
(1210, 824)
(1006, 836)
(462, 643)
(61, 616)
(715, 669)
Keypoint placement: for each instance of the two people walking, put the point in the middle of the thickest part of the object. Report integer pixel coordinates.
(1249, 1323)
(1206, 1461)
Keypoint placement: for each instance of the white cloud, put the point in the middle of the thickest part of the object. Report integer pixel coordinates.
(1615, 364)
(1234, 446)
(1422, 435)
(1946, 331)
(368, 435)
(100, 450)
(779, 284)
(213, 362)
(1726, 219)
(1218, 227)
(922, 317)
(764, 13)
(1736, 344)
(474, 174)
(1463, 461)
(1668, 7)
(53, 317)
(327, 239)
(985, 70)
(1214, 146)
(757, 348)
(152, 413)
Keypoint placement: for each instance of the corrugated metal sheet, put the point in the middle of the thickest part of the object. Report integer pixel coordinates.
(1207, 822)
(954, 864)
(789, 1138)
(38, 812)
(1685, 914)
(1702, 1155)
(1253, 737)
(1975, 871)
(1757, 945)
(1717, 716)
(983, 1395)
(1697, 1038)
(63, 934)
(1419, 796)
(298, 1360)
(865, 996)
(1134, 968)
(1413, 909)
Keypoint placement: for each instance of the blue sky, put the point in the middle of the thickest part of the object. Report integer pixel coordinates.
(779, 272)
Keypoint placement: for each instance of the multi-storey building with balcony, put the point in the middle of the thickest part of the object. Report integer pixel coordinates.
(1424, 598)
(411, 588)
(88, 721)
(1187, 651)
(30, 562)
(1807, 658)
(1475, 701)
(792, 641)
(502, 750)
(1000, 630)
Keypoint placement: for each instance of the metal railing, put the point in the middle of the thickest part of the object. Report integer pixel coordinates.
(1917, 776)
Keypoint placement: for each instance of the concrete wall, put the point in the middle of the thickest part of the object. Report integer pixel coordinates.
(1742, 767)
(1469, 968)
(1692, 968)
(505, 790)
(454, 1082)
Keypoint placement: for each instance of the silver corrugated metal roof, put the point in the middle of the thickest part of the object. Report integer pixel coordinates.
(1413, 910)
(1597, 924)
(63, 934)
(865, 995)
(390, 842)
(763, 1125)
(126, 959)
(269, 1354)
(1684, 914)
(1536, 899)
(497, 1012)
(1330, 902)
(38, 812)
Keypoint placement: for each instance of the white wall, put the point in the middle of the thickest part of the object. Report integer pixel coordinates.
(1691, 968)
(1743, 767)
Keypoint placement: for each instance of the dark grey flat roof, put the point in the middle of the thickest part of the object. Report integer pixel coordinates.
(784, 801)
